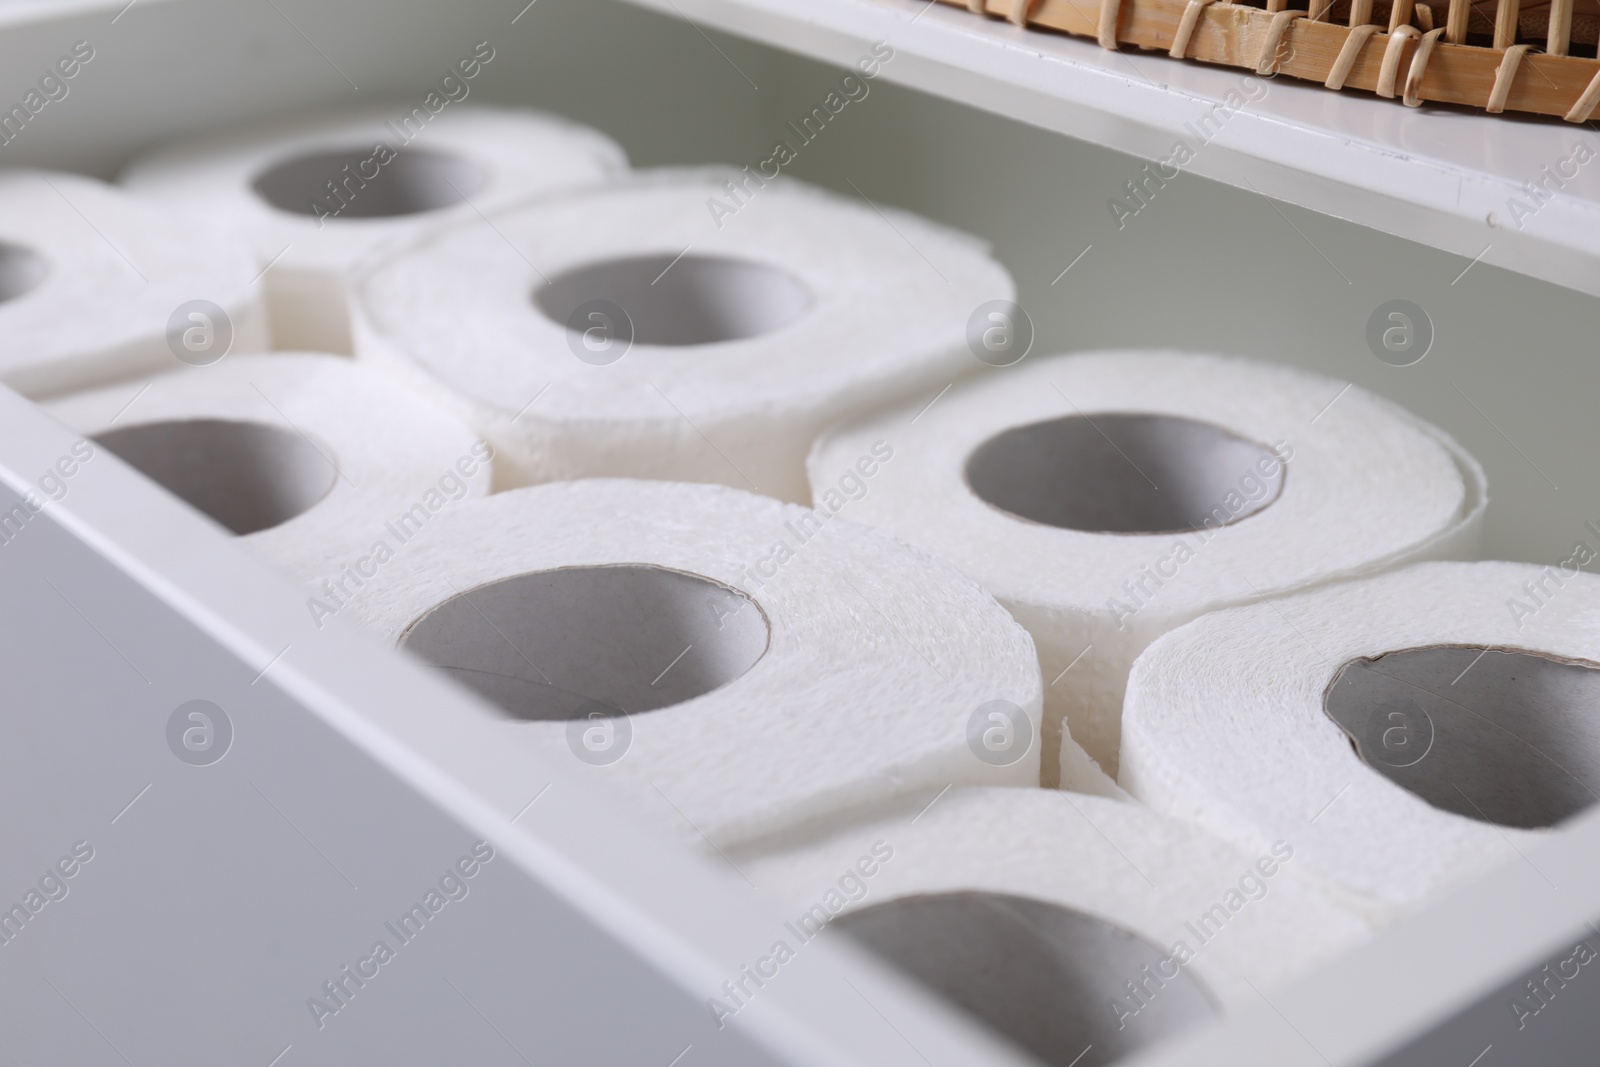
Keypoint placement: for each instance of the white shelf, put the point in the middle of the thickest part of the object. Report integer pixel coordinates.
(1442, 177)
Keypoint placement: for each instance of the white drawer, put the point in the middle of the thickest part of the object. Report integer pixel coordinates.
(585, 940)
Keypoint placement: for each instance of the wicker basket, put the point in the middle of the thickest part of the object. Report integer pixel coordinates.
(1443, 51)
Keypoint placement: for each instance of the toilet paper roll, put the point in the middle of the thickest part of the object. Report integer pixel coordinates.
(730, 661)
(1106, 498)
(314, 194)
(323, 468)
(96, 286)
(1081, 928)
(637, 331)
(1367, 722)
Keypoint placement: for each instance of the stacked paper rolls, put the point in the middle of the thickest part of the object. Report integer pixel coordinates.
(322, 467)
(1367, 723)
(1106, 498)
(628, 331)
(96, 287)
(649, 630)
(314, 195)
(1081, 928)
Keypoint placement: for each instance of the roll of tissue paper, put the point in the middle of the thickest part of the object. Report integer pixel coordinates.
(96, 287)
(315, 194)
(638, 331)
(1367, 723)
(1082, 928)
(324, 468)
(738, 665)
(1106, 498)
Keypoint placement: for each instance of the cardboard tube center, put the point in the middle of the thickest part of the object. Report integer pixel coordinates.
(1045, 976)
(356, 183)
(551, 645)
(1505, 737)
(1123, 473)
(246, 475)
(687, 300)
(21, 269)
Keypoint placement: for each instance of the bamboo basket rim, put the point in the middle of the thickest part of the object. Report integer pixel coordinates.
(1411, 57)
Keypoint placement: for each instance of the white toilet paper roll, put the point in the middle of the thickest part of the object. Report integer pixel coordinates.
(323, 467)
(1076, 926)
(1106, 498)
(732, 662)
(96, 286)
(1366, 722)
(313, 195)
(630, 331)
